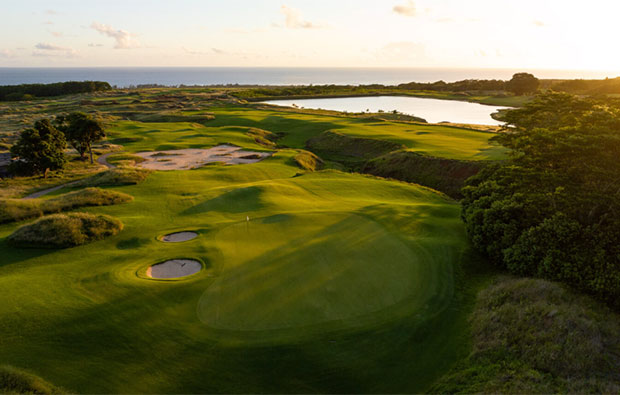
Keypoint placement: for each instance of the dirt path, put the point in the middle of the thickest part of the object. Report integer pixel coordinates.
(103, 160)
(49, 190)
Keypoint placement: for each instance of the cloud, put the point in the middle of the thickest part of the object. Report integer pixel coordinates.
(50, 12)
(55, 34)
(539, 23)
(219, 51)
(294, 20)
(407, 9)
(47, 49)
(5, 53)
(47, 23)
(124, 39)
(95, 45)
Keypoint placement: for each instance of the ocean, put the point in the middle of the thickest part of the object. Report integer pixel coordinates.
(174, 76)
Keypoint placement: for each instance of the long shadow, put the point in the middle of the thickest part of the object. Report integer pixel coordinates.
(11, 255)
(239, 200)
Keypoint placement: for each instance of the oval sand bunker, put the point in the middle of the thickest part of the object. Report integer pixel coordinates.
(179, 237)
(174, 268)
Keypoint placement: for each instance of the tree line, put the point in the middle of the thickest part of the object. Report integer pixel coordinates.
(32, 91)
(553, 209)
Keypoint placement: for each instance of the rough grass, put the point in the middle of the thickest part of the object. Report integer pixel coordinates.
(535, 336)
(337, 145)
(65, 230)
(263, 137)
(117, 176)
(308, 161)
(445, 175)
(125, 158)
(16, 381)
(18, 209)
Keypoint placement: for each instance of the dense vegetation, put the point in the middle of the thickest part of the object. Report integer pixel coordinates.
(116, 176)
(17, 381)
(553, 209)
(534, 336)
(65, 230)
(31, 91)
(584, 87)
(18, 209)
(39, 149)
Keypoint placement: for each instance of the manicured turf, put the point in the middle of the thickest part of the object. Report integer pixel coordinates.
(314, 282)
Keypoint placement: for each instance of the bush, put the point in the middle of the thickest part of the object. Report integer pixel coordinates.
(18, 209)
(534, 336)
(39, 149)
(117, 176)
(308, 161)
(16, 381)
(65, 230)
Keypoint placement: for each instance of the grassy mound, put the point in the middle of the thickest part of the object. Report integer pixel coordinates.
(263, 137)
(339, 146)
(15, 381)
(308, 161)
(445, 175)
(534, 336)
(18, 209)
(117, 176)
(120, 158)
(65, 230)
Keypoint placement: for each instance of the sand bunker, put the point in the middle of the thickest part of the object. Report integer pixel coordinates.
(174, 268)
(184, 159)
(179, 237)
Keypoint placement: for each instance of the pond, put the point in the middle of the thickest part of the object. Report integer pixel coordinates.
(432, 110)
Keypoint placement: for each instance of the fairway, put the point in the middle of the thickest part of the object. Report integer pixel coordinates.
(300, 280)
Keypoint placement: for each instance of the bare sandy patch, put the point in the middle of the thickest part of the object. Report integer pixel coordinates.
(174, 268)
(179, 237)
(184, 159)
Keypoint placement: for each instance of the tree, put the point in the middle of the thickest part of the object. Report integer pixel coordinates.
(523, 83)
(81, 130)
(39, 149)
(553, 209)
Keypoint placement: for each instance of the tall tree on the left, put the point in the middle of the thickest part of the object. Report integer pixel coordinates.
(39, 149)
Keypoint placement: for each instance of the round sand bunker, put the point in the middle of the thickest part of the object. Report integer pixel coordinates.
(179, 237)
(174, 268)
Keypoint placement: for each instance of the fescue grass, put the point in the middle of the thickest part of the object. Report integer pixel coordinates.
(308, 161)
(116, 158)
(65, 230)
(117, 176)
(535, 336)
(337, 145)
(18, 209)
(17, 381)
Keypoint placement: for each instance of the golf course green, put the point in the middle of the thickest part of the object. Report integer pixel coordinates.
(324, 281)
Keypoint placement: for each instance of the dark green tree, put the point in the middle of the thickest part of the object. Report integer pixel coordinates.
(553, 209)
(39, 149)
(523, 83)
(81, 130)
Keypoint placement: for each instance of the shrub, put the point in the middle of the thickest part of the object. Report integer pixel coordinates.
(65, 230)
(117, 176)
(116, 158)
(39, 149)
(16, 381)
(308, 161)
(535, 336)
(18, 209)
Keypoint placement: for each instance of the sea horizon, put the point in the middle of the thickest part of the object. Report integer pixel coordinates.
(204, 76)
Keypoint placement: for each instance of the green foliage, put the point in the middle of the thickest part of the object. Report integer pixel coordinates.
(117, 176)
(534, 336)
(29, 91)
(308, 161)
(16, 381)
(263, 137)
(39, 149)
(523, 83)
(445, 175)
(81, 130)
(338, 145)
(116, 158)
(553, 210)
(65, 230)
(18, 209)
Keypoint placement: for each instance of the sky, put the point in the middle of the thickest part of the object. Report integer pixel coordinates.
(529, 34)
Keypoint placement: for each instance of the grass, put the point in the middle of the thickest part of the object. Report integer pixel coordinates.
(336, 145)
(123, 158)
(308, 161)
(18, 209)
(535, 336)
(116, 176)
(64, 230)
(16, 381)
